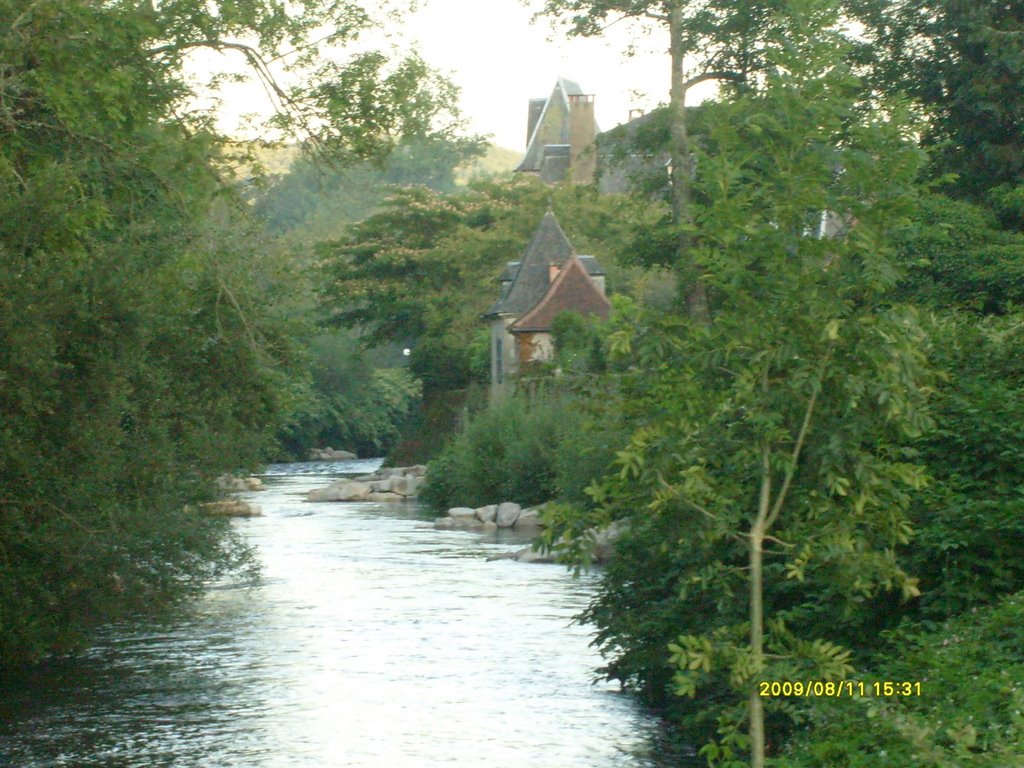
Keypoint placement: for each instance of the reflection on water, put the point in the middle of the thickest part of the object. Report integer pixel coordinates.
(373, 640)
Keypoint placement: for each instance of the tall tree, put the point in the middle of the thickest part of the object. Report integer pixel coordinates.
(707, 40)
(963, 61)
(768, 469)
(144, 330)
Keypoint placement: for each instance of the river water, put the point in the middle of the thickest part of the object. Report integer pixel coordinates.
(371, 641)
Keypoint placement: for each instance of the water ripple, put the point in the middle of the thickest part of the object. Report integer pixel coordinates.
(373, 640)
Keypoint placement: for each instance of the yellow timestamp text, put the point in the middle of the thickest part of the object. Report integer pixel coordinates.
(837, 689)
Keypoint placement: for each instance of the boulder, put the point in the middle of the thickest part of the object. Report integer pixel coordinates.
(489, 527)
(531, 555)
(387, 497)
(529, 519)
(604, 540)
(230, 508)
(253, 483)
(462, 512)
(487, 514)
(406, 485)
(342, 490)
(330, 454)
(507, 514)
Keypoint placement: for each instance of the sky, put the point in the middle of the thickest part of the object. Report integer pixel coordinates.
(500, 59)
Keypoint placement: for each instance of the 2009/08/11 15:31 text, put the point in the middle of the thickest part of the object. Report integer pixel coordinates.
(837, 688)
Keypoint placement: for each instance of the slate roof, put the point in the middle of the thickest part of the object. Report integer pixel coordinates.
(571, 290)
(548, 246)
(534, 157)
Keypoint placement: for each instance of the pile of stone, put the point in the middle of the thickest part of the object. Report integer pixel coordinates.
(329, 454)
(232, 483)
(491, 518)
(602, 547)
(230, 508)
(393, 484)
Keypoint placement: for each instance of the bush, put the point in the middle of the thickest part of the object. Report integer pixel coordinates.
(349, 403)
(968, 712)
(523, 449)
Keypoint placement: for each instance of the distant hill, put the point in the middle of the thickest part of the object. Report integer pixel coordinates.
(276, 160)
(496, 162)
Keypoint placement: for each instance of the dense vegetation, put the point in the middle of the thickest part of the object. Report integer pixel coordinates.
(819, 460)
(149, 338)
(812, 445)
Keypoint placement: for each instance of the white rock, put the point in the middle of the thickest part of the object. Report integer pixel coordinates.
(461, 512)
(407, 485)
(528, 519)
(342, 490)
(388, 497)
(487, 514)
(507, 514)
(489, 526)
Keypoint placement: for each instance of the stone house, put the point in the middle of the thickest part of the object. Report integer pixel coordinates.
(560, 135)
(549, 279)
(563, 142)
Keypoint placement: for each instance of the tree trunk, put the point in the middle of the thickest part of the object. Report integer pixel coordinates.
(691, 285)
(756, 556)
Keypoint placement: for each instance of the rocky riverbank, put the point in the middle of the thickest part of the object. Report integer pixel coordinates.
(390, 484)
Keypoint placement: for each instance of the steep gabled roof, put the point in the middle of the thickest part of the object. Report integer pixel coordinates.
(572, 290)
(534, 157)
(548, 246)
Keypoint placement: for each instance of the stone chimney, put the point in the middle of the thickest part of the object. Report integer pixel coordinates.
(582, 135)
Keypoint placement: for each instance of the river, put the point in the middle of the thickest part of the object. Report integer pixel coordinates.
(372, 640)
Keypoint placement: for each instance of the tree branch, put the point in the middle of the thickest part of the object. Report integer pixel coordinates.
(735, 77)
(794, 458)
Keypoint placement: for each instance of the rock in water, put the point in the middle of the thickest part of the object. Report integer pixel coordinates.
(487, 514)
(507, 514)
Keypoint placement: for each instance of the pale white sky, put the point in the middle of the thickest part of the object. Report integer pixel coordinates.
(500, 60)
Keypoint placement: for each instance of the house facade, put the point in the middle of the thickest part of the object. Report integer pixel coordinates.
(549, 279)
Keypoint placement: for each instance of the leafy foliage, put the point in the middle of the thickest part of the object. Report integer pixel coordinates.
(353, 403)
(963, 62)
(956, 256)
(968, 711)
(145, 330)
(312, 202)
(767, 476)
(422, 271)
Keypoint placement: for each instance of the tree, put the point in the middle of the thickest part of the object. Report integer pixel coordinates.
(708, 40)
(769, 470)
(423, 270)
(963, 62)
(145, 332)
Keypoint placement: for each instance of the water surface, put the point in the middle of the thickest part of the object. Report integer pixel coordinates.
(372, 641)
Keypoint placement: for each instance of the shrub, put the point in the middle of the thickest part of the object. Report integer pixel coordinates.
(968, 712)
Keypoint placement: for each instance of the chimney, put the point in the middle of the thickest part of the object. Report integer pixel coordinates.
(582, 135)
